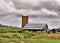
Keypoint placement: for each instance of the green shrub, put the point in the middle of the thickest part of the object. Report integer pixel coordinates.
(3, 31)
(20, 31)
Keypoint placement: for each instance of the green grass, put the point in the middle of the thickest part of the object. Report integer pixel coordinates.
(16, 35)
(42, 40)
(18, 38)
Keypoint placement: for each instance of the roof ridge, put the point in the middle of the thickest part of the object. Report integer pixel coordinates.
(37, 23)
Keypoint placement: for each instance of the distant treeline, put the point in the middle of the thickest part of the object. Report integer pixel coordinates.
(7, 26)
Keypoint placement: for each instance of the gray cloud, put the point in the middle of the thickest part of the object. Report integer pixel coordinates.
(40, 11)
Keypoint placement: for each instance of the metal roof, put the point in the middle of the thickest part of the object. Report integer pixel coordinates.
(34, 26)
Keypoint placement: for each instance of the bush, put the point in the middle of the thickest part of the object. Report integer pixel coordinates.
(53, 30)
(20, 31)
(3, 31)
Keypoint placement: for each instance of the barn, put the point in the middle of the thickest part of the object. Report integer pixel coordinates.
(33, 26)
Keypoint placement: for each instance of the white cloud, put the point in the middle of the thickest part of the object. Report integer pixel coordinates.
(57, 2)
(42, 11)
(7, 6)
(36, 2)
(48, 12)
(44, 7)
(32, 2)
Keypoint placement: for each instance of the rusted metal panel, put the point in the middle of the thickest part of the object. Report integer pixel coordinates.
(24, 20)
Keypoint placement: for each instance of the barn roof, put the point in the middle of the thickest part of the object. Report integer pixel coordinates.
(34, 26)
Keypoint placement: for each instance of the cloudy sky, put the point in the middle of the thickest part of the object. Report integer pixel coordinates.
(39, 11)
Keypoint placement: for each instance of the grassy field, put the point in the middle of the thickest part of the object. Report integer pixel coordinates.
(16, 35)
(17, 38)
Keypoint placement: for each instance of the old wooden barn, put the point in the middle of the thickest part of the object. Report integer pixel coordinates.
(33, 26)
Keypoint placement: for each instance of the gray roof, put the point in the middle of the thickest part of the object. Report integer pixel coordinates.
(34, 26)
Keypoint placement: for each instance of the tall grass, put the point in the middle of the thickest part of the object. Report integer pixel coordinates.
(16, 35)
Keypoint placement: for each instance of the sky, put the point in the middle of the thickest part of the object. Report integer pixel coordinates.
(39, 11)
